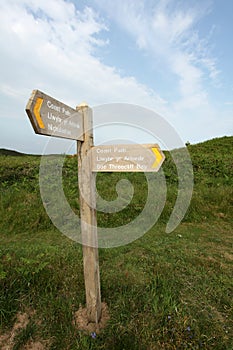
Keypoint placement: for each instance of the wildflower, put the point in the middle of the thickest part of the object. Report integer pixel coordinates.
(188, 329)
(93, 335)
(169, 317)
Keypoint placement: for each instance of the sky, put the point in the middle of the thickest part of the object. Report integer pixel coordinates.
(173, 57)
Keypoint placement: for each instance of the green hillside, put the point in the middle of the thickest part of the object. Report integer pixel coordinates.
(163, 291)
(8, 152)
(213, 161)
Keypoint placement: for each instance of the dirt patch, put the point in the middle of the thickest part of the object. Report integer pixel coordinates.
(7, 340)
(34, 346)
(82, 323)
(228, 256)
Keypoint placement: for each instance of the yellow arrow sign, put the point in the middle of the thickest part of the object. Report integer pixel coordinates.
(126, 158)
(158, 157)
(36, 111)
(53, 118)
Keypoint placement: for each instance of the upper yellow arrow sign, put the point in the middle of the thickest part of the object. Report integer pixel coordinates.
(36, 111)
(158, 157)
(53, 118)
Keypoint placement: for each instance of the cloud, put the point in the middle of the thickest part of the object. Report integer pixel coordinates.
(56, 47)
(52, 45)
(167, 31)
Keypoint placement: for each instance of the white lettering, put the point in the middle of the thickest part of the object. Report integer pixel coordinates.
(51, 116)
(119, 150)
(101, 167)
(54, 107)
(104, 159)
(121, 167)
(141, 167)
(74, 125)
(58, 130)
(134, 159)
(103, 150)
(66, 112)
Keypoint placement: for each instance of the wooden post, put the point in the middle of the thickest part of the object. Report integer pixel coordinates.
(87, 199)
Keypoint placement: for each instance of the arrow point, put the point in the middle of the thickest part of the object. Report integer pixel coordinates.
(36, 111)
(158, 157)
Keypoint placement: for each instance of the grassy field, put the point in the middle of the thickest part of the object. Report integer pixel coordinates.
(163, 291)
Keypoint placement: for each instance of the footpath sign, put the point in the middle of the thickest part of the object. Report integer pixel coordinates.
(53, 118)
(127, 158)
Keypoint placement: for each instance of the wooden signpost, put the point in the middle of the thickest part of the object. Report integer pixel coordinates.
(53, 118)
(87, 200)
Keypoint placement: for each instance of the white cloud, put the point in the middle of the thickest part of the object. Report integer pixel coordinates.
(167, 30)
(50, 42)
(49, 45)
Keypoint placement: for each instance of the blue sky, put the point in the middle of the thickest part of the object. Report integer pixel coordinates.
(172, 57)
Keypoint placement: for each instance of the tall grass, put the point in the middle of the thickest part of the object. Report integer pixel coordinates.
(164, 291)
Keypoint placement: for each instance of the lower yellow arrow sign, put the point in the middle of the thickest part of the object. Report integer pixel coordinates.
(158, 157)
(36, 111)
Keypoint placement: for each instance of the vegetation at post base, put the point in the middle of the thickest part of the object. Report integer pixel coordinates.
(164, 291)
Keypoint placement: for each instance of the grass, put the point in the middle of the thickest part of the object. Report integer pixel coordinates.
(164, 291)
